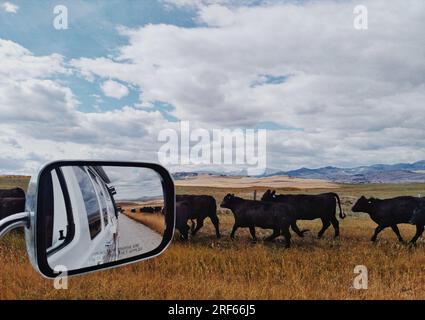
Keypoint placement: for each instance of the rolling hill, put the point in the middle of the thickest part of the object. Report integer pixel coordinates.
(377, 173)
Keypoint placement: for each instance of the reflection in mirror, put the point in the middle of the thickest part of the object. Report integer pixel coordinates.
(102, 214)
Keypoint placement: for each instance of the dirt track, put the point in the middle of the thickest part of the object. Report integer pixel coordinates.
(135, 238)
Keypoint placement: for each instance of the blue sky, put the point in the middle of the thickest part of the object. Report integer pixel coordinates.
(92, 24)
(92, 33)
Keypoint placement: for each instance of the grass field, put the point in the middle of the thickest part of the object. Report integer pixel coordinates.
(8, 182)
(207, 268)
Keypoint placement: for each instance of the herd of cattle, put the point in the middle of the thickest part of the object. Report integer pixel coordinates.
(144, 209)
(279, 213)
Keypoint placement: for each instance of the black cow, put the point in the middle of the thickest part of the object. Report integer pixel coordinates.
(12, 193)
(182, 217)
(147, 210)
(202, 206)
(418, 219)
(311, 207)
(265, 215)
(391, 212)
(9, 206)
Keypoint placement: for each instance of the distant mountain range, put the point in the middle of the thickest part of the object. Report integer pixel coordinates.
(378, 173)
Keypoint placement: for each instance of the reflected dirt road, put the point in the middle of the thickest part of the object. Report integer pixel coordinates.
(135, 238)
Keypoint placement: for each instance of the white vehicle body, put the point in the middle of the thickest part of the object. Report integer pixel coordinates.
(95, 240)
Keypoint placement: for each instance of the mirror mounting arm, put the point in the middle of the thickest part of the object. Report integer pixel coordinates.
(14, 221)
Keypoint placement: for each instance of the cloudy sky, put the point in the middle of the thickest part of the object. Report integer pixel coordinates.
(135, 183)
(328, 94)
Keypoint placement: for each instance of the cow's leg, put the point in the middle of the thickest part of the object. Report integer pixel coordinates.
(299, 232)
(252, 231)
(199, 225)
(287, 235)
(185, 234)
(193, 225)
(275, 234)
(419, 231)
(216, 223)
(232, 235)
(335, 224)
(377, 231)
(397, 232)
(326, 225)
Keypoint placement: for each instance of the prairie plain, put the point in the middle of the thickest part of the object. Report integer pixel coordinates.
(208, 268)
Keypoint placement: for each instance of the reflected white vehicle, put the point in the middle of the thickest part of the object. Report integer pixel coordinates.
(86, 234)
(77, 215)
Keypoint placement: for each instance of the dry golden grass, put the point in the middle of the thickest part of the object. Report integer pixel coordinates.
(207, 268)
(249, 182)
(8, 182)
(154, 221)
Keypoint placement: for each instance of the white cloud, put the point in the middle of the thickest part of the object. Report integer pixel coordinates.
(35, 100)
(9, 7)
(25, 92)
(40, 120)
(216, 16)
(17, 63)
(114, 89)
(202, 3)
(344, 85)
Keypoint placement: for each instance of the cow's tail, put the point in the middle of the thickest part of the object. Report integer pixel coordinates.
(342, 215)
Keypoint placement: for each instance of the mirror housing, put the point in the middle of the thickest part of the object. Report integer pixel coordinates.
(34, 219)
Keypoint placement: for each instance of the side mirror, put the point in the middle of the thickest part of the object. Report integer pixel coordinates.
(86, 216)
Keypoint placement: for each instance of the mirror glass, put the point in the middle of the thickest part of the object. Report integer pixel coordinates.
(96, 215)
